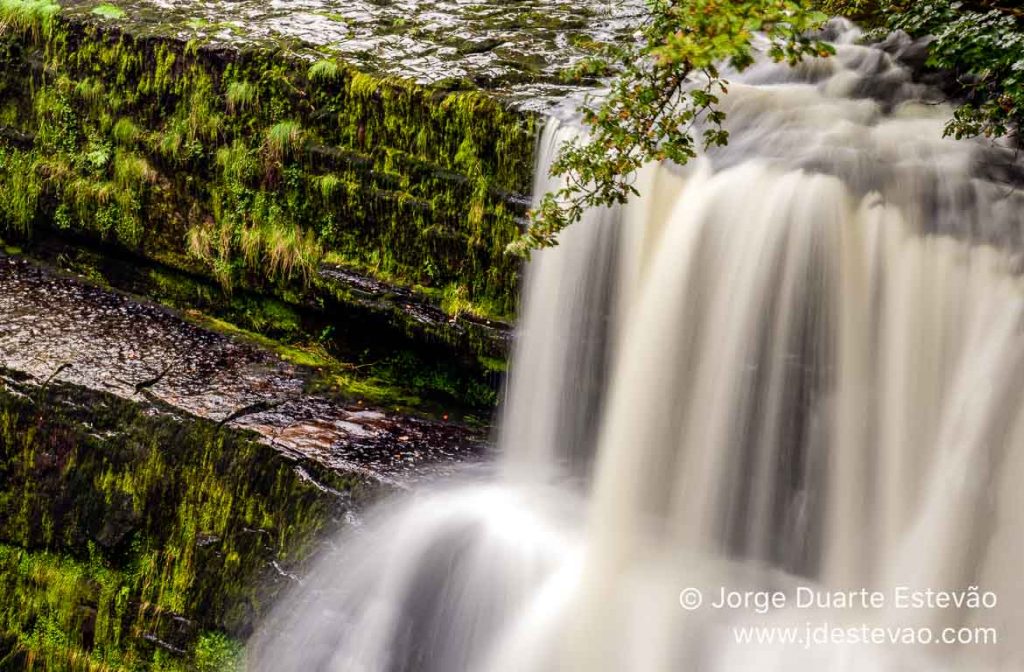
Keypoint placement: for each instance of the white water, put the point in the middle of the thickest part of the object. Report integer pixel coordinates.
(798, 362)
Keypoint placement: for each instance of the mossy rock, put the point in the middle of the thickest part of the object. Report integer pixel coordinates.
(131, 537)
(250, 165)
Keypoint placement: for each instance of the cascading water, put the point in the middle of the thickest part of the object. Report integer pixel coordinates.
(798, 363)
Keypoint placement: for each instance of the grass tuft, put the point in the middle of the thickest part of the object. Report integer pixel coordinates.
(283, 139)
(240, 96)
(91, 91)
(290, 251)
(327, 185)
(125, 132)
(237, 163)
(29, 17)
(131, 171)
(324, 71)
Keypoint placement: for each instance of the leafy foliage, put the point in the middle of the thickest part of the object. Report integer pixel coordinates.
(980, 41)
(668, 85)
(985, 48)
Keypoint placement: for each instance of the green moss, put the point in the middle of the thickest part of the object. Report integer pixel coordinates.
(252, 170)
(216, 652)
(125, 132)
(198, 23)
(21, 185)
(133, 540)
(51, 601)
(132, 171)
(493, 364)
(32, 18)
(453, 299)
(108, 11)
(339, 377)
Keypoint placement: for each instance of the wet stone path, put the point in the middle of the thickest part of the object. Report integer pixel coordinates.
(52, 325)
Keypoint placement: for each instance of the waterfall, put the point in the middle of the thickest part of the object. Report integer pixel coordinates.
(794, 365)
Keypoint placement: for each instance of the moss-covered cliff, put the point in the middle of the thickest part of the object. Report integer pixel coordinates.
(133, 539)
(256, 166)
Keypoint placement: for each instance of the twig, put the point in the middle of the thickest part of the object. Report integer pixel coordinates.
(251, 409)
(57, 372)
(150, 382)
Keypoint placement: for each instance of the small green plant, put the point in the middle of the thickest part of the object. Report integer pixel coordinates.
(324, 71)
(290, 251)
(240, 96)
(236, 162)
(108, 11)
(202, 122)
(98, 156)
(211, 245)
(279, 249)
(21, 185)
(283, 139)
(171, 144)
(250, 242)
(455, 301)
(125, 132)
(91, 91)
(216, 652)
(131, 171)
(327, 185)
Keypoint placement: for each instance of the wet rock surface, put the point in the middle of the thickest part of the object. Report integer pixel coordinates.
(494, 336)
(518, 49)
(54, 327)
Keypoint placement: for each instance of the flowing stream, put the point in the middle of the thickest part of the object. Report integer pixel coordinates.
(795, 365)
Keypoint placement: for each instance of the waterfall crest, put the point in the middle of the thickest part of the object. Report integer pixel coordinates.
(796, 362)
